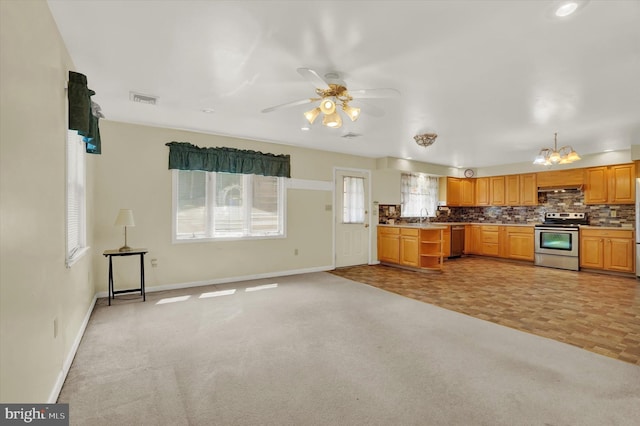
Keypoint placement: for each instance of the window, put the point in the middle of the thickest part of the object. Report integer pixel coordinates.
(76, 198)
(352, 199)
(419, 192)
(213, 205)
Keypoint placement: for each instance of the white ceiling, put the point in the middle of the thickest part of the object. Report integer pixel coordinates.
(495, 79)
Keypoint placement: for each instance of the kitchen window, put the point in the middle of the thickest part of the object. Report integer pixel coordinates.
(418, 194)
(218, 206)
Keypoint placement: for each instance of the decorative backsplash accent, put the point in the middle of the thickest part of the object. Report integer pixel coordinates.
(598, 215)
(388, 213)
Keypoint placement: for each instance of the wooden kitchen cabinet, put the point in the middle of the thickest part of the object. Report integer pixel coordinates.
(389, 244)
(446, 241)
(560, 178)
(528, 190)
(610, 250)
(460, 192)
(454, 192)
(409, 247)
(512, 190)
(483, 192)
(610, 184)
(467, 192)
(473, 239)
(489, 236)
(520, 242)
(496, 191)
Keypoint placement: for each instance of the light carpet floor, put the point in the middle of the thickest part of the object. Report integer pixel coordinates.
(317, 349)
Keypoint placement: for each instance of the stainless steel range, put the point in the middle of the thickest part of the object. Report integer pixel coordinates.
(557, 242)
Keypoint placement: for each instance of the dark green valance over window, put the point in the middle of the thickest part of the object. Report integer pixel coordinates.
(185, 156)
(83, 114)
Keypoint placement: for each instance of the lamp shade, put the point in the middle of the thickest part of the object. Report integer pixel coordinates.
(125, 218)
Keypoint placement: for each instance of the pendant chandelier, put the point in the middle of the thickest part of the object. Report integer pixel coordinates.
(549, 157)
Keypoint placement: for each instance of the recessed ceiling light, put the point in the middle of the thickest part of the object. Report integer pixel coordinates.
(566, 9)
(305, 128)
(408, 158)
(208, 110)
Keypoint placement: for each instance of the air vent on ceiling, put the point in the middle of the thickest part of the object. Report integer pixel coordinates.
(351, 135)
(143, 99)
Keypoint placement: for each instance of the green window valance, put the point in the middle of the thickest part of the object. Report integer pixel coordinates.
(83, 113)
(186, 156)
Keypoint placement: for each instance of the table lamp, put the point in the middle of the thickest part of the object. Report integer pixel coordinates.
(125, 218)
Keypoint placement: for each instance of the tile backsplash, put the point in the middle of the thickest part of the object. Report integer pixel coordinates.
(616, 215)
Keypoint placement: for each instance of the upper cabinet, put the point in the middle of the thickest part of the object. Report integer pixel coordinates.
(560, 178)
(528, 190)
(610, 184)
(497, 191)
(483, 193)
(512, 190)
(460, 192)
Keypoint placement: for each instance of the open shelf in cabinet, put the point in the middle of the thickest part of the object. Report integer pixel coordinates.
(431, 244)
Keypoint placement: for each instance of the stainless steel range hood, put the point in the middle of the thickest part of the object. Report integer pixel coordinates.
(562, 188)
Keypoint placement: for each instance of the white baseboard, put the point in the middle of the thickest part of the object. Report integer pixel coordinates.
(62, 375)
(230, 279)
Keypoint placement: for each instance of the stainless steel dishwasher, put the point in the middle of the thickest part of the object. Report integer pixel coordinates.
(457, 240)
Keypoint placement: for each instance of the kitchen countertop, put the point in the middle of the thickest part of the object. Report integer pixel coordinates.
(615, 228)
(433, 225)
(443, 224)
(414, 225)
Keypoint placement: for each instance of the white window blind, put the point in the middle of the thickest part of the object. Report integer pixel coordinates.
(76, 197)
(419, 194)
(212, 205)
(353, 199)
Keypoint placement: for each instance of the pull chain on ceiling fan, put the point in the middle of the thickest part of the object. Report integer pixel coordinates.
(332, 96)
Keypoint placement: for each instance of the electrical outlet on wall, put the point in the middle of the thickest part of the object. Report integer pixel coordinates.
(614, 213)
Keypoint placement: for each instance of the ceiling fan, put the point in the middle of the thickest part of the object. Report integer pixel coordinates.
(332, 93)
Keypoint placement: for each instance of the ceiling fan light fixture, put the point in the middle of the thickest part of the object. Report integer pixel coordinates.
(312, 115)
(332, 120)
(327, 106)
(352, 113)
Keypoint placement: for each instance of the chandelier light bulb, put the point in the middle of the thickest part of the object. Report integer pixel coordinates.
(312, 115)
(327, 106)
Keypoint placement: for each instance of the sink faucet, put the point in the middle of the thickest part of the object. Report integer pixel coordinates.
(425, 216)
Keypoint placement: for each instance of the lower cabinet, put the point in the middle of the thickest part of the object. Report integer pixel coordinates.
(389, 244)
(412, 247)
(609, 250)
(510, 242)
(409, 247)
(520, 242)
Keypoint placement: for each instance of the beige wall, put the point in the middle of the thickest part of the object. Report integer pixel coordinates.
(132, 173)
(36, 288)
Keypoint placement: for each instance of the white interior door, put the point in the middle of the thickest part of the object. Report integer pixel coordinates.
(352, 229)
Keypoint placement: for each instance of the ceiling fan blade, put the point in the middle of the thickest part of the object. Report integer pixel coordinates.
(368, 108)
(291, 104)
(313, 78)
(374, 93)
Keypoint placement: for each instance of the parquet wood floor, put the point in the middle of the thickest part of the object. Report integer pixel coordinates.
(596, 312)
